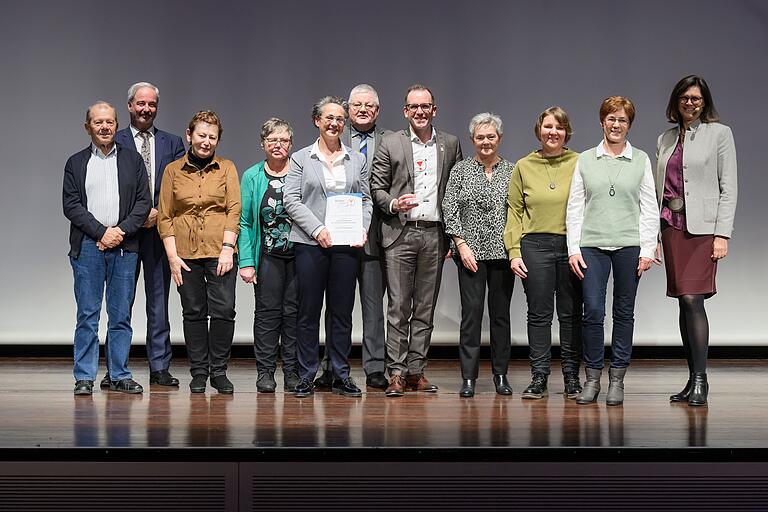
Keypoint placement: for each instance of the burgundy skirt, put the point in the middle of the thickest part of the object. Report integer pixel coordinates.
(688, 261)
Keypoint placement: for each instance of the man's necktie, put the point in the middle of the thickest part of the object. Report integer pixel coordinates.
(146, 155)
(364, 145)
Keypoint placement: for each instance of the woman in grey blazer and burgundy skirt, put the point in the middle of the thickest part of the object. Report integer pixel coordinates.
(696, 190)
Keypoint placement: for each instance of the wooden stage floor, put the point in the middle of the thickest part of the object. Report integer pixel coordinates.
(39, 411)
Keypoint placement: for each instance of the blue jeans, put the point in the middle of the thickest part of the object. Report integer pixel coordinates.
(91, 270)
(625, 280)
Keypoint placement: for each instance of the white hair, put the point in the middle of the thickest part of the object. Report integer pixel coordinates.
(360, 88)
(486, 118)
(139, 85)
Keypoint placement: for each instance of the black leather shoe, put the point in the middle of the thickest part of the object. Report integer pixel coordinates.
(572, 386)
(222, 384)
(325, 381)
(377, 380)
(683, 395)
(265, 383)
(346, 387)
(467, 388)
(502, 385)
(105, 382)
(290, 380)
(197, 385)
(304, 388)
(129, 386)
(163, 378)
(537, 388)
(699, 389)
(84, 387)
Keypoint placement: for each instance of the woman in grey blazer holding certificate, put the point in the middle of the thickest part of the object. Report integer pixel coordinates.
(317, 172)
(696, 190)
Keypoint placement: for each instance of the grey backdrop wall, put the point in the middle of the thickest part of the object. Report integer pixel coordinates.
(249, 61)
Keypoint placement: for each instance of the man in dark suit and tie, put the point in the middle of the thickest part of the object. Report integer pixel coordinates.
(408, 178)
(105, 196)
(157, 148)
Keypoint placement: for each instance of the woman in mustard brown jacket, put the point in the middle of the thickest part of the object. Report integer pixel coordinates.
(198, 220)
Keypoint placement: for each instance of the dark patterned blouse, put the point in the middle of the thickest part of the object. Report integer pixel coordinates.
(475, 209)
(275, 222)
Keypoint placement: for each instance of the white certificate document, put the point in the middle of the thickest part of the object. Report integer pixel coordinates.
(344, 218)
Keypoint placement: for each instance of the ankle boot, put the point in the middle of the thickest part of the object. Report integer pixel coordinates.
(467, 388)
(591, 387)
(615, 386)
(683, 395)
(699, 389)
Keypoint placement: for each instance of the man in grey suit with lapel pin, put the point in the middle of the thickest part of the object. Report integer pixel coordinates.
(408, 178)
(363, 135)
(157, 148)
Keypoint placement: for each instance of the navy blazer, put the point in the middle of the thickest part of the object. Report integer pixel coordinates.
(133, 188)
(168, 147)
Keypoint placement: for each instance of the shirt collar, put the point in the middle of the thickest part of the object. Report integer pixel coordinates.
(695, 125)
(415, 138)
(315, 151)
(135, 131)
(358, 133)
(627, 153)
(96, 151)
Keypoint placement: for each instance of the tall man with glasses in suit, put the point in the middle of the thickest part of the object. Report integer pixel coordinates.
(408, 178)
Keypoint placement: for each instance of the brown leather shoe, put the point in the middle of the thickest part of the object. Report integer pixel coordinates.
(419, 383)
(396, 386)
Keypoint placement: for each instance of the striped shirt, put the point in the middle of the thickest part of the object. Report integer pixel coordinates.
(101, 186)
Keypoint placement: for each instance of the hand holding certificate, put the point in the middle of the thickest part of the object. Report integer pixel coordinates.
(344, 218)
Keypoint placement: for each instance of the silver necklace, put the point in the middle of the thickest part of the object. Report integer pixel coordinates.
(612, 191)
(551, 178)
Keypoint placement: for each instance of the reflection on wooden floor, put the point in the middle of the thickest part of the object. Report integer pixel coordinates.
(39, 410)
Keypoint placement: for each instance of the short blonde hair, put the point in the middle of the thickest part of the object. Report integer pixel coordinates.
(562, 118)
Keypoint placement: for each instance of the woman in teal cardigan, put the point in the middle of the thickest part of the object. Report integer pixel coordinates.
(266, 258)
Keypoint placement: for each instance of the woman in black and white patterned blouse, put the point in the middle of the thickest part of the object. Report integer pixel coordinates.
(474, 213)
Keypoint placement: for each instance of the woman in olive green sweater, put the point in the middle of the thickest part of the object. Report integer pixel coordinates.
(536, 243)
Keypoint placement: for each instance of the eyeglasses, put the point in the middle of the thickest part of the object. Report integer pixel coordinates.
(274, 142)
(358, 105)
(425, 107)
(490, 137)
(621, 120)
(331, 119)
(695, 100)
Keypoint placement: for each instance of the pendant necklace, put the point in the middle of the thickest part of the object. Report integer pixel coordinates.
(612, 191)
(551, 178)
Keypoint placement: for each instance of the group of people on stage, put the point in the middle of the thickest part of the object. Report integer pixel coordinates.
(561, 221)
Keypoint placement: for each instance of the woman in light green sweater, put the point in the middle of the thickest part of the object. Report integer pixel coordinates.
(613, 222)
(538, 252)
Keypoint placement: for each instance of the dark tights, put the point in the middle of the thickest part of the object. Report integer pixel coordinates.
(694, 329)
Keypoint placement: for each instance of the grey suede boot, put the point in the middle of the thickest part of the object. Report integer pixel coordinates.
(591, 387)
(615, 386)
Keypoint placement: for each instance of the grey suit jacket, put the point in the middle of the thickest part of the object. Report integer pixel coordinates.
(305, 194)
(392, 176)
(373, 244)
(709, 176)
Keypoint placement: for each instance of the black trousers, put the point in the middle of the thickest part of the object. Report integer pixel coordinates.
(499, 279)
(551, 283)
(322, 273)
(205, 295)
(276, 309)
